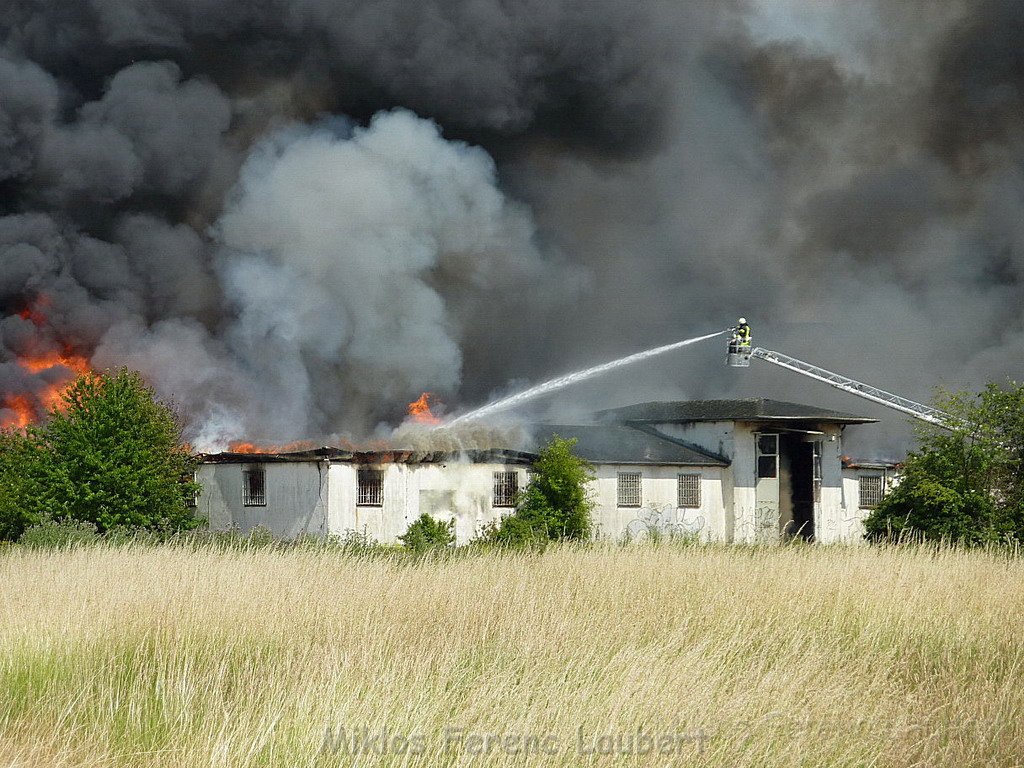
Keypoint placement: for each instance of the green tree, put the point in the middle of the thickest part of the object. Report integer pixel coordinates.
(21, 461)
(963, 484)
(556, 504)
(426, 533)
(109, 454)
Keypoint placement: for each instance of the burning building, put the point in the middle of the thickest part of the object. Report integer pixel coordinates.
(723, 470)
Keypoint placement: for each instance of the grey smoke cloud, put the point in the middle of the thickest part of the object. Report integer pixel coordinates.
(804, 189)
(573, 67)
(337, 247)
(28, 108)
(201, 190)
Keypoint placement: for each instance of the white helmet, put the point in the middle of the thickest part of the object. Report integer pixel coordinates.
(743, 321)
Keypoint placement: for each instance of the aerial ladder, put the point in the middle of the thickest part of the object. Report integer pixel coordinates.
(740, 352)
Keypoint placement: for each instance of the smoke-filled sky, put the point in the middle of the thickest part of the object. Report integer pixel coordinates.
(293, 216)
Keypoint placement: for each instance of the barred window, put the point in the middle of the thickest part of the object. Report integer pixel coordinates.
(629, 489)
(871, 491)
(688, 491)
(254, 487)
(371, 488)
(506, 488)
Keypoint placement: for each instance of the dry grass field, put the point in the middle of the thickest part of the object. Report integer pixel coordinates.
(640, 655)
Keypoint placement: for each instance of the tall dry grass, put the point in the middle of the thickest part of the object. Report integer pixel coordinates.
(171, 656)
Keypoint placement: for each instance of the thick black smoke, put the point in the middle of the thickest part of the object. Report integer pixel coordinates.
(296, 215)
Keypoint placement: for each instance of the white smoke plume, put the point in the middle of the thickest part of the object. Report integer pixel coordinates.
(334, 252)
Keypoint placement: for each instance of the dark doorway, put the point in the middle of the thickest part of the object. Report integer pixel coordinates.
(798, 453)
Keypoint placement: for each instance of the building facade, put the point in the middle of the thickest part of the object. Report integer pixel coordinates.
(744, 471)
(333, 492)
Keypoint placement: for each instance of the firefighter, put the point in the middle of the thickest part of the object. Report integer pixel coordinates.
(741, 334)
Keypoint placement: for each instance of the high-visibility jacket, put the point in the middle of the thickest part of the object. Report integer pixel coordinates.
(743, 333)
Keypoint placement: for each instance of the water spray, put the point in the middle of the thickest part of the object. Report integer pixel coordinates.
(574, 378)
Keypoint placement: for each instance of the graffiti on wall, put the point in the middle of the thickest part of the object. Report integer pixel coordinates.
(759, 527)
(665, 521)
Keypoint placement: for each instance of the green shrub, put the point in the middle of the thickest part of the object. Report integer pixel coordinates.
(924, 507)
(556, 505)
(964, 482)
(56, 534)
(427, 533)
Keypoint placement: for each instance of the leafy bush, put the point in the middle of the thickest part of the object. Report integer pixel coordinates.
(556, 505)
(427, 533)
(54, 534)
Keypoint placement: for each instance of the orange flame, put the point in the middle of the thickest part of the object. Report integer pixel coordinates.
(419, 410)
(25, 408)
(22, 412)
(34, 312)
(38, 363)
(241, 446)
(28, 408)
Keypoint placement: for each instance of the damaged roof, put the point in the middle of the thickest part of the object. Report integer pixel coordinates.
(615, 444)
(623, 436)
(383, 456)
(752, 409)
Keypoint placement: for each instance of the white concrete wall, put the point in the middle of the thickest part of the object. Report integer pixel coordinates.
(851, 528)
(460, 491)
(377, 523)
(749, 523)
(295, 494)
(720, 437)
(658, 498)
(831, 514)
(463, 492)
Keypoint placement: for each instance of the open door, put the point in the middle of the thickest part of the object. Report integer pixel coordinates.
(801, 483)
